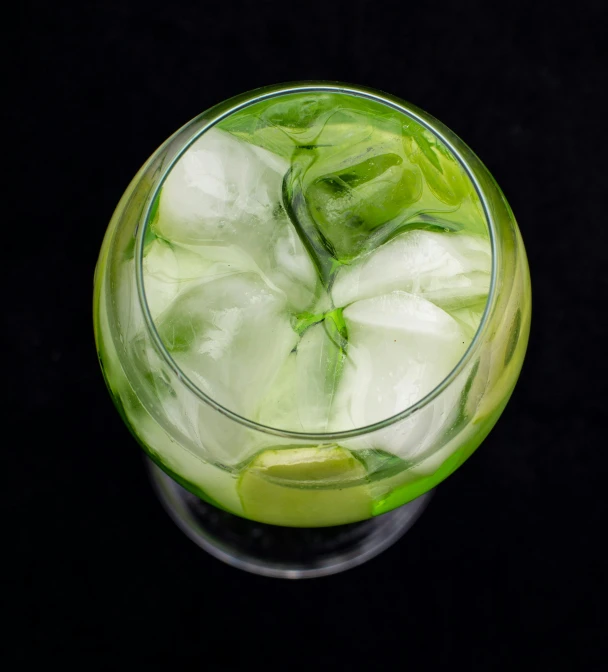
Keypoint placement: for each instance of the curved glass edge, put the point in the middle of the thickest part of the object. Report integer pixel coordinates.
(195, 128)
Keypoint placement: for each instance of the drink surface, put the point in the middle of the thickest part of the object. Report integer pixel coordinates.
(316, 263)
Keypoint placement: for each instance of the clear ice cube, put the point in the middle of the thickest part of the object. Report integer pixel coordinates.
(217, 185)
(449, 269)
(400, 346)
(231, 335)
(224, 198)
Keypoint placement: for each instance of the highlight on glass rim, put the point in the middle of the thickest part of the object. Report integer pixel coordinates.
(311, 305)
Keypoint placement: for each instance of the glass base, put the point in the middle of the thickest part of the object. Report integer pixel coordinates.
(282, 552)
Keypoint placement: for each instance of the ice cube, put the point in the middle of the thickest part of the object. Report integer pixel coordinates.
(169, 269)
(449, 269)
(221, 187)
(292, 270)
(319, 363)
(400, 347)
(413, 438)
(301, 396)
(279, 407)
(224, 195)
(223, 201)
(231, 335)
(347, 205)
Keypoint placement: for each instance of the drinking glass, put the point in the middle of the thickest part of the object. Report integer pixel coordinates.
(263, 497)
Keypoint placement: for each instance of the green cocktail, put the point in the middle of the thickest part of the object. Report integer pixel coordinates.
(311, 305)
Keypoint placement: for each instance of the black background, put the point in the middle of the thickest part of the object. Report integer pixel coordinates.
(506, 566)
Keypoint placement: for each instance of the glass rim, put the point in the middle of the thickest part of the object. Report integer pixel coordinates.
(226, 109)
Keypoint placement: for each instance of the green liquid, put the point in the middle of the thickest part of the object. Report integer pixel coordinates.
(364, 189)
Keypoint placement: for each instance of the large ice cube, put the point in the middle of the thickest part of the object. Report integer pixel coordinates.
(349, 204)
(301, 396)
(449, 269)
(219, 183)
(400, 347)
(223, 200)
(231, 335)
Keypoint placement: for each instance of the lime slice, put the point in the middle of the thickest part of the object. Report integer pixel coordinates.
(305, 487)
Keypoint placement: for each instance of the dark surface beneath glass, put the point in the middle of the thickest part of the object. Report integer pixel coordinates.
(507, 566)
